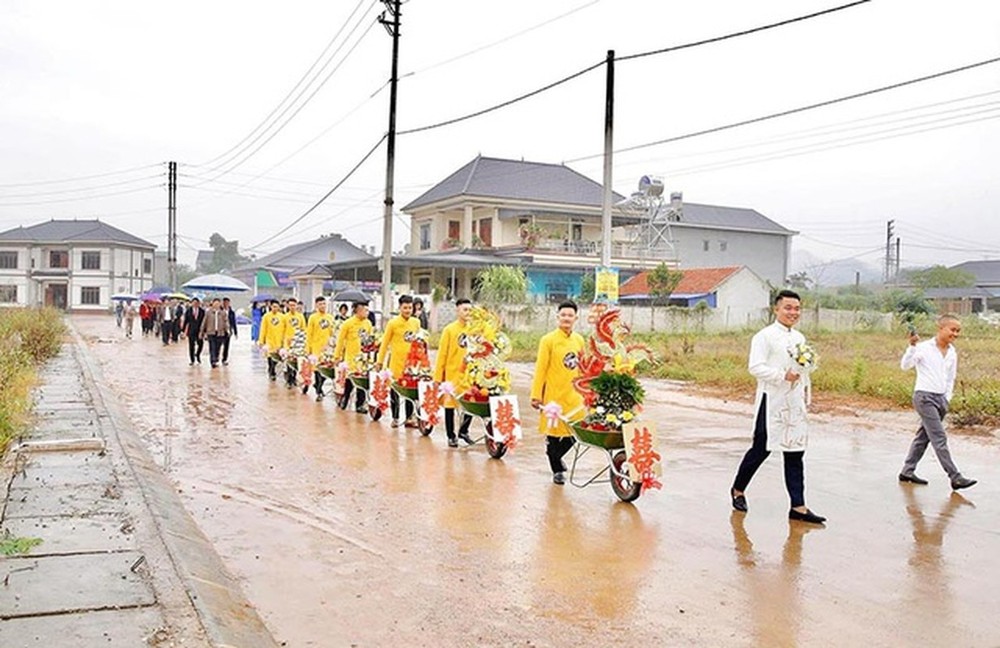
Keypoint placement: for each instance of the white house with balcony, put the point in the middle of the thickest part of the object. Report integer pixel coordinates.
(74, 265)
(547, 219)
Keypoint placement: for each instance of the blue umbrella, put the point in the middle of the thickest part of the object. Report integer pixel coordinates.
(262, 297)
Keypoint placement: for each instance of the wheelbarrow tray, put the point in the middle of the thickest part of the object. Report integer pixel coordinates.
(410, 393)
(607, 439)
(476, 408)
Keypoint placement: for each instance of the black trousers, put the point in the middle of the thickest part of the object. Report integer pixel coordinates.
(225, 348)
(175, 329)
(214, 344)
(359, 400)
(195, 346)
(318, 380)
(556, 448)
(394, 406)
(272, 367)
(449, 422)
(165, 327)
(758, 452)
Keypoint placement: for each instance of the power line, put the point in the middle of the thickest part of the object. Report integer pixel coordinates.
(745, 32)
(814, 148)
(55, 192)
(78, 178)
(295, 87)
(793, 111)
(297, 110)
(60, 200)
(325, 196)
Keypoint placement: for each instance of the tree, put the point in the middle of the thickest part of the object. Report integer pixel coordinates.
(587, 288)
(225, 254)
(502, 285)
(662, 281)
(940, 276)
(799, 281)
(185, 273)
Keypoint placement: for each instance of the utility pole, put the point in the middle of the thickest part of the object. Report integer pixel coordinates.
(391, 26)
(172, 223)
(888, 251)
(609, 122)
(896, 273)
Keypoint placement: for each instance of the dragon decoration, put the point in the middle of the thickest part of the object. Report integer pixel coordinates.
(607, 350)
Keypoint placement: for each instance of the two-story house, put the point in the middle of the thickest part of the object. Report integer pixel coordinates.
(72, 265)
(547, 219)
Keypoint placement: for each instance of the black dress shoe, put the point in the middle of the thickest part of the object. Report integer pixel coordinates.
(739, 501)
(961, 482)
(559, 478)
(452, 442)
(912, 479)
(464, 436)
(808, 516)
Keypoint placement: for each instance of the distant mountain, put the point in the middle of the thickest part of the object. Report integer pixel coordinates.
(828, 274)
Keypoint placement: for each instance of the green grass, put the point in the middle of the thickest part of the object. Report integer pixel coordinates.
(13, 546)
(861, 364)
(28, 337)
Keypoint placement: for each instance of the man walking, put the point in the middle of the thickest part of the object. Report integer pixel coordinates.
(295, 321)
(233, 332)
(272, 334)
(166, 321)
(557, 364)
(318, 331)
(349, 348)
(783, 392)
(936, 362)
(449, 366)
(399, 334)
(216, 327)
(194, 318)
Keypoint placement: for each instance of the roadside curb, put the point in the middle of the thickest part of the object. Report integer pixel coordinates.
(227, 617)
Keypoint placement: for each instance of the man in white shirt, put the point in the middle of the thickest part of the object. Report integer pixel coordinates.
(936, 362)
(783, 391)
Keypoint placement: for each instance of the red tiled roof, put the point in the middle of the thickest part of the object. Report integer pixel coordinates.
(696, 281)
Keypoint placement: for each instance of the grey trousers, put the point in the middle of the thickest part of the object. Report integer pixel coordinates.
(931, 408)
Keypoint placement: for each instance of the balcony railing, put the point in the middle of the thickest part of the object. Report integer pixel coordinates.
(619, 250)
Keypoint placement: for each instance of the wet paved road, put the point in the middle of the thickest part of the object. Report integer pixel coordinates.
(347, 532)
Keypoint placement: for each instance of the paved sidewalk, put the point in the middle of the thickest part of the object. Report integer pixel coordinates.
(120, 562)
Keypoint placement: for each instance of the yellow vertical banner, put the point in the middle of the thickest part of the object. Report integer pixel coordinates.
(606, 285)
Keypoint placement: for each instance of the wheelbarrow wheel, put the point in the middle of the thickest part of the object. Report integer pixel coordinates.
(375, 412)
(342, 400)
(624, 488)
(497, 449)
(424, 428)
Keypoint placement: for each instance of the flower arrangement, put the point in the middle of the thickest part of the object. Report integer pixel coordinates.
(611, 393)
(804, 356)
(418, 365)
(530, 234)
(487, 347)
(365, 361)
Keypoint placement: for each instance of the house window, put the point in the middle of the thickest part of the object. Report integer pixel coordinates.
(90, 260)
(523, 220)
(705, 245)
(58, 259)
(424, 285)
(8, 294)
(425, 236)
(147, 266)
(455, 230)
(577, 233)
(486, 232)
(8, 260)
(90, 295)
(723, 246)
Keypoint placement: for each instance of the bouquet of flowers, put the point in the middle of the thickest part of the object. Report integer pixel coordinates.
(365, 361)
(611, 393)
(804, 356)
(487, 347)
(418, 365)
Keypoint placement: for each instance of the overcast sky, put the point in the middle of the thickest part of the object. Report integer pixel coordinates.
(114, 89)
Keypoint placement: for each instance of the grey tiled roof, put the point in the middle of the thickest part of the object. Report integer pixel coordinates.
(987, 273)
(538, 182)
(728, 218)
(72, 231)
(309, 253)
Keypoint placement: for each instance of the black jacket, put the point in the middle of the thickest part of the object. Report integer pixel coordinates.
(192, 322)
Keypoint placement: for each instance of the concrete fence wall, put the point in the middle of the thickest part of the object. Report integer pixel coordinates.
(663, 319)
